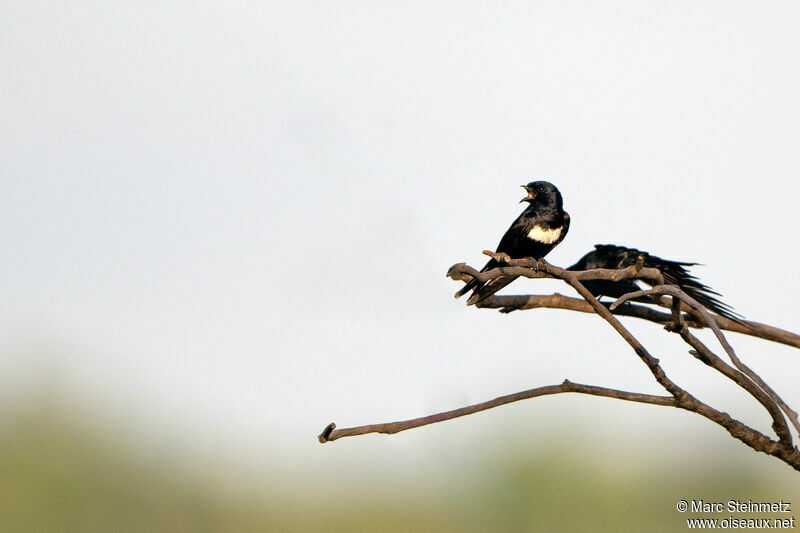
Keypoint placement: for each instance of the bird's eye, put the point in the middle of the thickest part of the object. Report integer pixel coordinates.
(540, 189)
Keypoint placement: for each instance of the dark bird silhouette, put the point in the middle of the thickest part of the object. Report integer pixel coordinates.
(674, 272)
(535, 232)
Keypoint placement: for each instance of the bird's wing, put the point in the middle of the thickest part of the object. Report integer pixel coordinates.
(564, 229)
(674, 272)
(515, 234)
(509, 242)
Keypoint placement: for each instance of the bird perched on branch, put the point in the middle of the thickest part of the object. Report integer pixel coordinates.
(674, 272)
(536, 231)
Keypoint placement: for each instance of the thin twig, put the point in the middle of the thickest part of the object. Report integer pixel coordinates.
(331, 434)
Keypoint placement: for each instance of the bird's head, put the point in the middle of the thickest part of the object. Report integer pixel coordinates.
(542, 193)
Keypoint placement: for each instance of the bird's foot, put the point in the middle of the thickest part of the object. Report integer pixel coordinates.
(503, 258)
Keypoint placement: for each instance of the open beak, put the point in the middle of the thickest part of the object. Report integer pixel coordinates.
(531, 194)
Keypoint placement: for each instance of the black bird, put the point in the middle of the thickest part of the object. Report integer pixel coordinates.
(674, 272)
(536, 231)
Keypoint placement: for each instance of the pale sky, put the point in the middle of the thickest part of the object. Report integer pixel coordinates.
(237, 217)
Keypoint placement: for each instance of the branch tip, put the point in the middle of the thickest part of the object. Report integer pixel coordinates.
(323, 437)
(639, 264)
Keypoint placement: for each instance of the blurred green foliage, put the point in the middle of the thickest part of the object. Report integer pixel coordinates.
(61, 472)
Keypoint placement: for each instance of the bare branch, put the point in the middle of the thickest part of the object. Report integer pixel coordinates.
(710, 320)
(783, 448)
(331, 434)
(697, 317)
(510, 303)
(652, 363)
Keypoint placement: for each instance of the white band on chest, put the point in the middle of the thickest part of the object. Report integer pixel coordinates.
(547, 236)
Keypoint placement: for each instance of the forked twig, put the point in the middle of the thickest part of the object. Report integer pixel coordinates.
(711, 322)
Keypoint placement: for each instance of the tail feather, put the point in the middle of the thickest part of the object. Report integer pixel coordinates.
(474, 283)
(483, 289)
(489, 288)
(704, 295)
